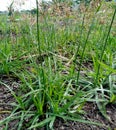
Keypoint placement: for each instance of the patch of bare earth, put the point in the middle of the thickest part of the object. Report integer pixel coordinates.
(92, 112)
(6, 98)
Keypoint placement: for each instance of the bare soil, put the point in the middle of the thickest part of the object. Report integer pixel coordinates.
(92, 112)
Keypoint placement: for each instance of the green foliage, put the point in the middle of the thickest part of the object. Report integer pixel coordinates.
(62, 62)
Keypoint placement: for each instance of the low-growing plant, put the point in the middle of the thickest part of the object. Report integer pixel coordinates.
(61, 62)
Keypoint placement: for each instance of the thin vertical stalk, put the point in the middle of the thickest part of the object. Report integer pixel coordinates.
(38, 29)
(85, 44)
(77, 50)
(83, 51)
(42, 75)
(38, 38)
(104, 46)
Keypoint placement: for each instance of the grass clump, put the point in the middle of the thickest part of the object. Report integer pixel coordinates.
(62, 62)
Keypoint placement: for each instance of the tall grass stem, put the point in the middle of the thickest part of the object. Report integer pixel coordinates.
(104, 46)
(38, 29)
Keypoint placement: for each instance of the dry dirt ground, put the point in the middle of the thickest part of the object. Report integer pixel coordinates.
(92, 112)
